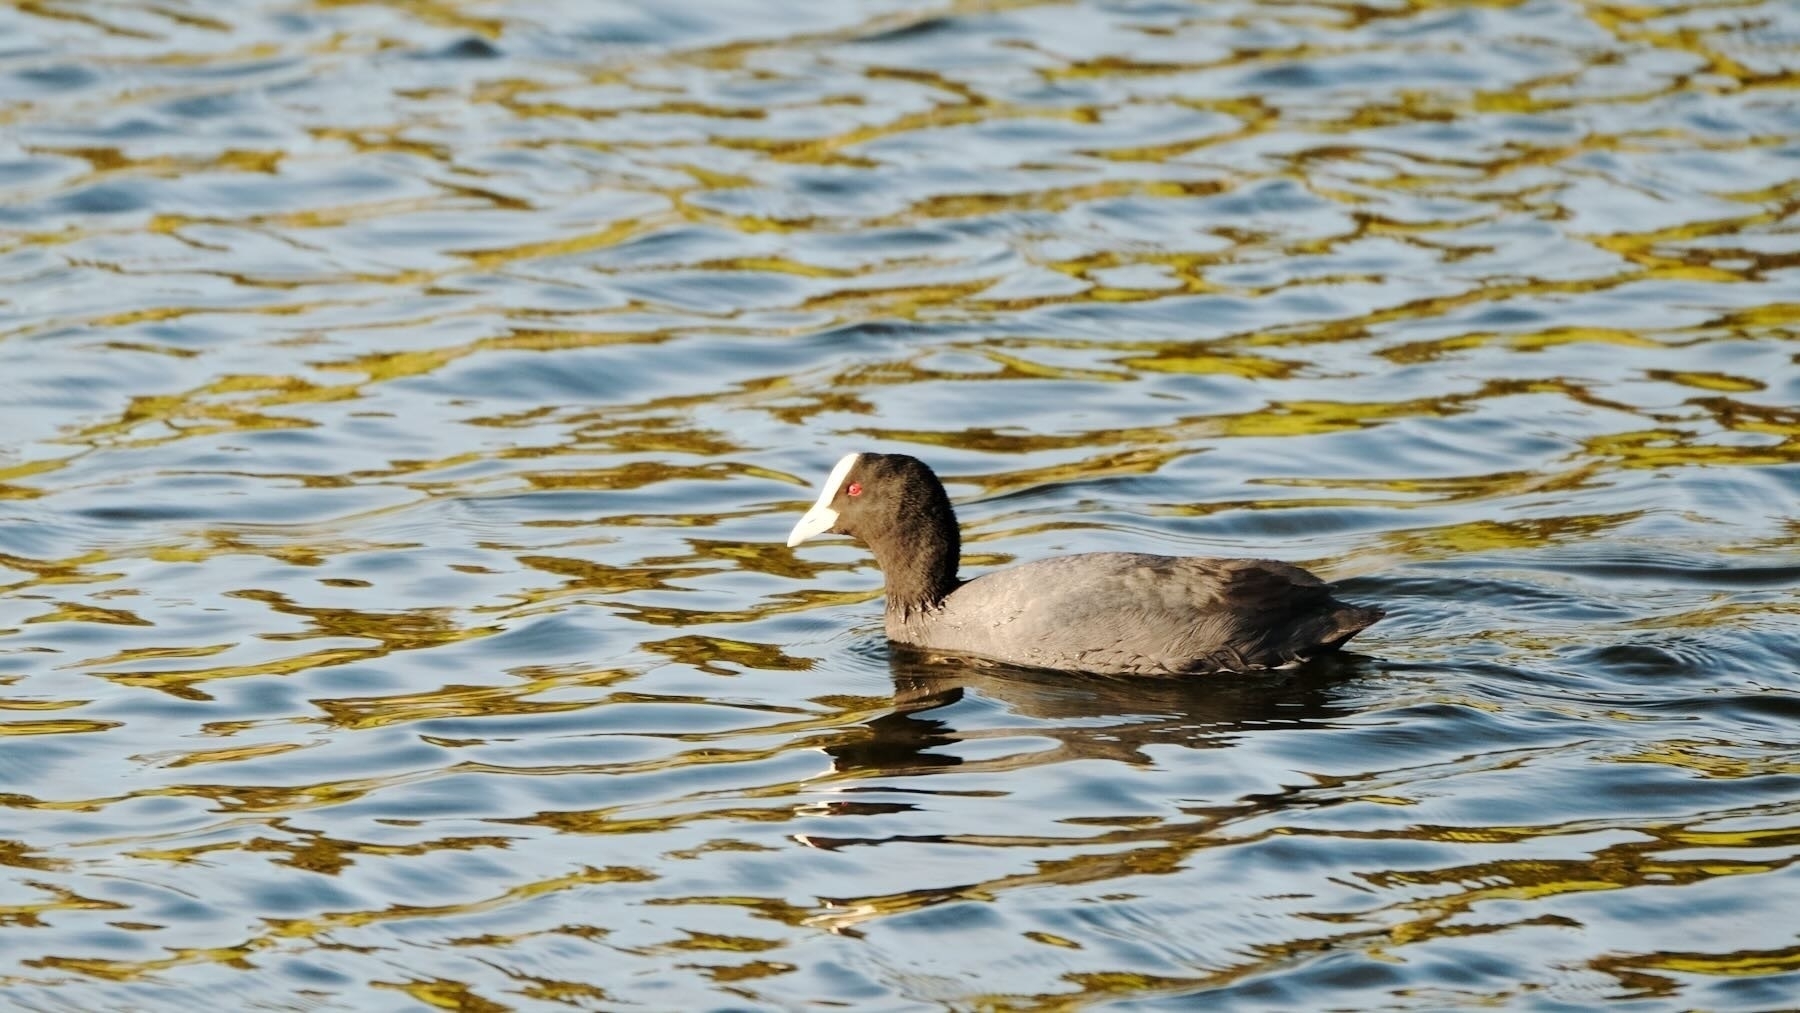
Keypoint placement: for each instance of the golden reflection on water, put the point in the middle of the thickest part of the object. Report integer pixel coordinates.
(406, 406)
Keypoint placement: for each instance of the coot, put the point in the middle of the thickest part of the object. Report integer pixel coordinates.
(1112, 612)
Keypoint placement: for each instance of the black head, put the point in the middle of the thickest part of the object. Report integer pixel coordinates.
(895, 505)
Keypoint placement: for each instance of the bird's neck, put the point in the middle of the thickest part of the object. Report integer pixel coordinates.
(920, 577)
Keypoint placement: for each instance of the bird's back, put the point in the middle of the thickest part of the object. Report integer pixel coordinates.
(1126, 612)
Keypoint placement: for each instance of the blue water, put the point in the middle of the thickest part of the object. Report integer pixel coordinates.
(403, 408)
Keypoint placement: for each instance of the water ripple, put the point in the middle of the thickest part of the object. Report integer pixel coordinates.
(407, 404)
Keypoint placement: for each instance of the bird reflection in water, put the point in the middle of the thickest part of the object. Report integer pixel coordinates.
(1087, 716)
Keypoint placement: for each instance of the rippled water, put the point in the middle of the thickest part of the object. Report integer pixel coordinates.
(405, 404)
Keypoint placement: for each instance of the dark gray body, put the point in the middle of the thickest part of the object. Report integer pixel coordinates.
(1128, 612)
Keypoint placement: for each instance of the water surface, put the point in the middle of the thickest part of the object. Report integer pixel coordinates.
(404, 406)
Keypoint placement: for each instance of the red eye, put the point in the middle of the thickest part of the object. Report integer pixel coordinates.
(854, 489)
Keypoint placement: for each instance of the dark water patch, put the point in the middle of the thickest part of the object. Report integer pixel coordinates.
(834, 184)
(205, 107)
(1488, 595)
(1672, 793)
(469, 47)
(149, 513)
(1771, 709)
(1669, 569)
(17, 172)
(1665, 657)
(1285, 76)
(107, 199)
(875, 243)
(879, 334)
(56, 77)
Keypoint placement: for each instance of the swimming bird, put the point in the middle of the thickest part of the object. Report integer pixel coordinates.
(1110, 612)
